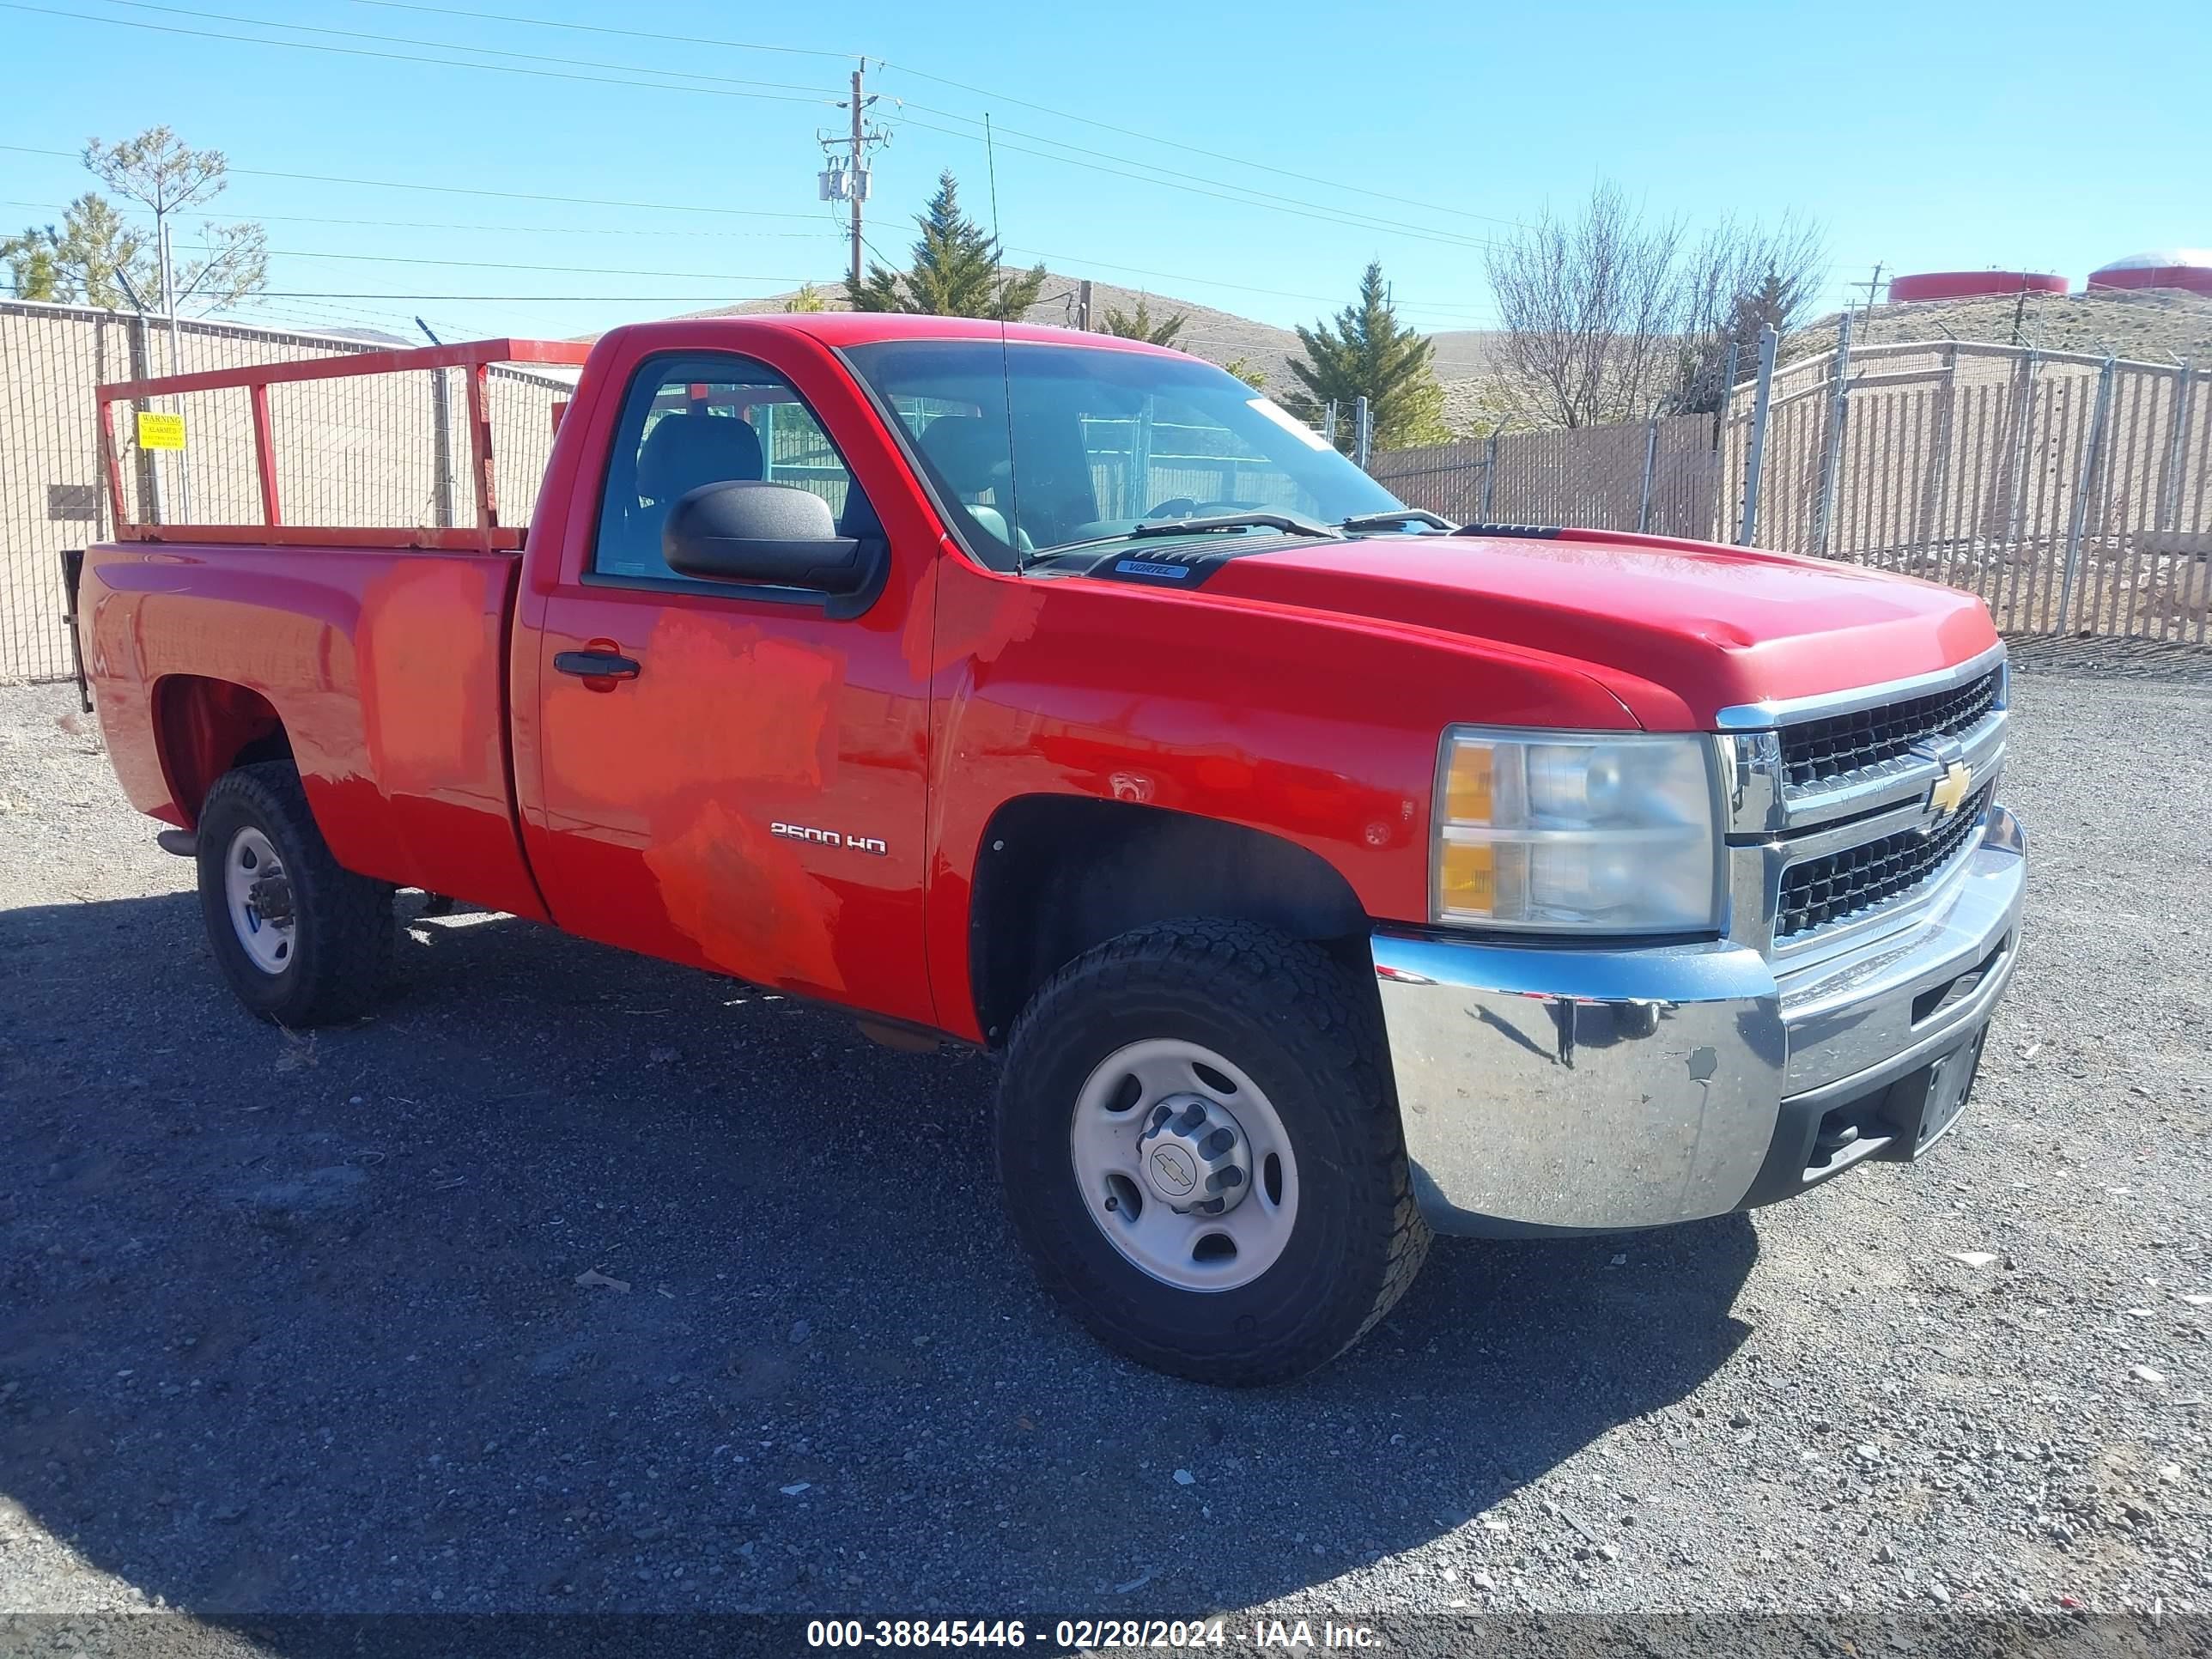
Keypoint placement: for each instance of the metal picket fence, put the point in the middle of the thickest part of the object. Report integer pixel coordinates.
(389, 451)
(2072, 494)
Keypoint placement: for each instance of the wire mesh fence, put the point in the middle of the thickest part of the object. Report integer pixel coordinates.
(390, 451)
(1655, 476)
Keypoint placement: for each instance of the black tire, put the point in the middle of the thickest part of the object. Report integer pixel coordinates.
(1311, 1037)
(341, 949)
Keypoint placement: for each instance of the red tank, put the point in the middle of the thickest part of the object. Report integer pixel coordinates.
(2188, 268)
(1972, 285)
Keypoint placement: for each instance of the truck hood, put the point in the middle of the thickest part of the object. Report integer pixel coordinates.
(1678, 631)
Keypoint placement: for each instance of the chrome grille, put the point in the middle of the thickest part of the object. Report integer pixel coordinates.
(1818, 753)
(1839, 886)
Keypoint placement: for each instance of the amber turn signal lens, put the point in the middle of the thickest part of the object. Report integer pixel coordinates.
(1469, 878)
(1467, 785)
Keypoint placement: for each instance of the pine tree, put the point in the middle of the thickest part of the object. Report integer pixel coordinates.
(1139, 325)
(955, 272)
(80, 263)
(34, 270)
(1369, 353)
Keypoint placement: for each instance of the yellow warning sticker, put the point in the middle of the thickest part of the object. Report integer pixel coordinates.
(160, 431)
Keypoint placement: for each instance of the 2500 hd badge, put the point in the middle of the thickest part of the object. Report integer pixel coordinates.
(829, 838)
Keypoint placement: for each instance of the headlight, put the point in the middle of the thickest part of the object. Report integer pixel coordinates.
(1612, 833)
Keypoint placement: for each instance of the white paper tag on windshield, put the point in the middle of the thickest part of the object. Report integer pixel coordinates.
(1289, 422)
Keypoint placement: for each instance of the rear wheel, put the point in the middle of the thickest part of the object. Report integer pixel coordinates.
(1202, 1153)
(303, 940)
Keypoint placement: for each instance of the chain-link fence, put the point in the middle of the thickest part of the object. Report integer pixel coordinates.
(387, 451)
(2072, 494)
(1653, 476)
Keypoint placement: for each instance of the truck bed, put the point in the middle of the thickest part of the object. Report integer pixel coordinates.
(386, 666)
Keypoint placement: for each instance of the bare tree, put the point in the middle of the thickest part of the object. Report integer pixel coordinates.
(1611, 315)
(1590, 305)
(1742, 276)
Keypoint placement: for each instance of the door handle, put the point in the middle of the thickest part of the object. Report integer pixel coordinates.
(596, 665)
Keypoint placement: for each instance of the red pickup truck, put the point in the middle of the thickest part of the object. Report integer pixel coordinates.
(1325, 874)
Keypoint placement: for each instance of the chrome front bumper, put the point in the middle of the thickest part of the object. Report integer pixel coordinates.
(1553, 1089)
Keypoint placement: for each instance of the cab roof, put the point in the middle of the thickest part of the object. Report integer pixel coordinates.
(853, 328)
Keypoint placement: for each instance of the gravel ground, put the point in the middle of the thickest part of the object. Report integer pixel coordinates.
(574, 1281)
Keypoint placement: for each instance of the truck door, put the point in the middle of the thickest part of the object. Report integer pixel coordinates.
(744, 791)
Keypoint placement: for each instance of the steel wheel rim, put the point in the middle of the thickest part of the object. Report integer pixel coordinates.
(248, 864)
(1107, 1145)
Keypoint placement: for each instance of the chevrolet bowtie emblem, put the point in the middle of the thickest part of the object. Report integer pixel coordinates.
(1950, 791)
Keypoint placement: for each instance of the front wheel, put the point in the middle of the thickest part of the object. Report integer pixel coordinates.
(303, 940)
(1202, 1153)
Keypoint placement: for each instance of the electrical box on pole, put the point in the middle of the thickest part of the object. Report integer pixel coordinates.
(846, 177)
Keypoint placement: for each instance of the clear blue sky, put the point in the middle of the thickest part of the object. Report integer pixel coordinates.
(1935, 135)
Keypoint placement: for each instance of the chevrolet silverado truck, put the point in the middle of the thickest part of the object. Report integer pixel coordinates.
(1324, 873)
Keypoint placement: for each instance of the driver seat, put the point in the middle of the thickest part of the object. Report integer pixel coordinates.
(971, 455)
(685, 451)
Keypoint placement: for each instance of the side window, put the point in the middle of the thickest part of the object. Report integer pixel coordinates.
(698, 420)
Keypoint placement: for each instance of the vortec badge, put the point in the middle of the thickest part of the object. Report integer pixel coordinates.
(1950, 789)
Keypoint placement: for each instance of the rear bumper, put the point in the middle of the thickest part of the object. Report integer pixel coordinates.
(1546, 1089)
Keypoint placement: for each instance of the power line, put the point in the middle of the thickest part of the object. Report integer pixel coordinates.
(407, 58)
(499, 265)
(1215, 189)
(455, 45)
(461, 190)
(597, 28)
(1432, 207)
(519, 298)
(1312, 212)
(1343, 215)
(1121, 128)
(489, 230)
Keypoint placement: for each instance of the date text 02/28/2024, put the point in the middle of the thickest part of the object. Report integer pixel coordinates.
(1088, 1634)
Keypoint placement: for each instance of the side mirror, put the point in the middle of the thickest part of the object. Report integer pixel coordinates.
(777, 535)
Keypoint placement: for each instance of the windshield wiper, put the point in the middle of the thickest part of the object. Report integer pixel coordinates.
(1361, 521)
(1291, 524)
(1288, 523)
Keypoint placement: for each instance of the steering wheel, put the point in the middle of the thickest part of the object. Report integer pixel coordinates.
(1186, 507)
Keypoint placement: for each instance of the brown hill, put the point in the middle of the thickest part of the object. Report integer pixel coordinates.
(1220, 337)
(2153, 325)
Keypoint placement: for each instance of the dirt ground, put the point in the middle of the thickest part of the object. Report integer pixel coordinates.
(573, 1281)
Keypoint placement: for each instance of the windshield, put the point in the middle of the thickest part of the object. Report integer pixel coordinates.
(1101, 441)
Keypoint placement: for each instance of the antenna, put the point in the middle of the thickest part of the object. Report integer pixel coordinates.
(1005, 353)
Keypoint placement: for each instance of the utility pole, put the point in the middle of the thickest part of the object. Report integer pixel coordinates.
(849, 182)
(1871, 283)
(150, 492)
(858, 141)
(169, 304)
(1082, 306)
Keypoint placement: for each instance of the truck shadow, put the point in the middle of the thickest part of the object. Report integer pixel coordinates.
(573, 1281)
